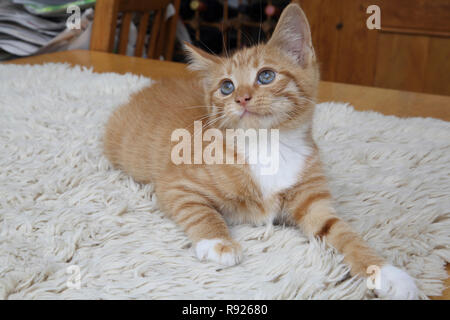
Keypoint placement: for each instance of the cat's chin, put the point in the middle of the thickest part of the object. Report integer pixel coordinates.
(246, 113)
(253, 120)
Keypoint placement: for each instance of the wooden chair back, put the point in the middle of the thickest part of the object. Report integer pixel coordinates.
(162, 31)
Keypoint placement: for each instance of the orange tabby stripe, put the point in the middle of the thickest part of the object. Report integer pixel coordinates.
(326, 227)
(302, 209)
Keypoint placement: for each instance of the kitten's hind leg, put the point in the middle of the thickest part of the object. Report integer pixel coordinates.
(203, 224)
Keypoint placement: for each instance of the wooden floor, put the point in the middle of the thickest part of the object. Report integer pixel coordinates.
(386, 101)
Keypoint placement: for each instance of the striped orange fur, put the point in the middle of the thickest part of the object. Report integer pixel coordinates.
(203, 199)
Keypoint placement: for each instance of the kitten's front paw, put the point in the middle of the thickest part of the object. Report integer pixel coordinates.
(396, 284)
(222, 251)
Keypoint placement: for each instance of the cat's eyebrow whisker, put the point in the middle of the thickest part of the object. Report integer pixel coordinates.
(224, 45)
(260, 21)
(212, 52)
(251, 42)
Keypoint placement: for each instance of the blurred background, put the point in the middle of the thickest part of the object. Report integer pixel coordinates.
(411, 50)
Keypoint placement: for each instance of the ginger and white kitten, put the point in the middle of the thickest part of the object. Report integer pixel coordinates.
(268, 86)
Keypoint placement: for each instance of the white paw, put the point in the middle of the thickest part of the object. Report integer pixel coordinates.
(396, 284)
(222, 251)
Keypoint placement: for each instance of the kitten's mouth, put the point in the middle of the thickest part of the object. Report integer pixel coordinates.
(247, 113)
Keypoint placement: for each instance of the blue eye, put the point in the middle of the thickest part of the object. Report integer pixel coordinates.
(266, 77)
(227, 87)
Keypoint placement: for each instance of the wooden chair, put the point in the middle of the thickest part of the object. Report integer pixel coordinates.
(162, 33)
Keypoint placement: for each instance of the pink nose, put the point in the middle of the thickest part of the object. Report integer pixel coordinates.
(243, 99)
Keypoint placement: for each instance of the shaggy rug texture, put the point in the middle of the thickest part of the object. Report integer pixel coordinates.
(71, 227)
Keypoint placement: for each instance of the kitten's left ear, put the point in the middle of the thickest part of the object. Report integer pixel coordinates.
(293, 35)
(199, 60)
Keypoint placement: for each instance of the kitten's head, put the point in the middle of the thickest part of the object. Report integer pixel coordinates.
(270, 85)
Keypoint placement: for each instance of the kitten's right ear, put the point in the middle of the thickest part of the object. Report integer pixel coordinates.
(199, 60)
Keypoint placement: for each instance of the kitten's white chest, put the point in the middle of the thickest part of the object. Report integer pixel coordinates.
(293, 150)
